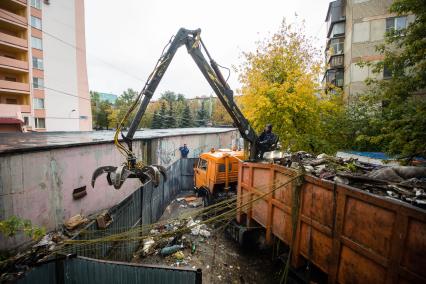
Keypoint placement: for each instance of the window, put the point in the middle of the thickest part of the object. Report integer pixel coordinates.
(36, 4)
(396, 24)
(339, 79)
(338, 29)
(11, 101)
(387, 73)
(38, 83)
(38, 103)
(39, 122)
(36, 22)
(222, 168)
(36, 42)
(335, 77)
(336, 61)
(26, 120)
(336, 46)
(202, 164)
(37, 63)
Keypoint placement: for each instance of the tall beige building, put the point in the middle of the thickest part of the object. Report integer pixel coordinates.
(43, 77)
(354, 29)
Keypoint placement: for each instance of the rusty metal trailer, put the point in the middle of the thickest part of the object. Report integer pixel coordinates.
(351, 235)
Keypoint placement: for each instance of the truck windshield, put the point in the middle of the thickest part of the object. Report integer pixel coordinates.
(202, 164)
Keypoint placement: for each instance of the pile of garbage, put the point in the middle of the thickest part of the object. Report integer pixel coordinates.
(403, 183)
(175, 241)
(16, 265)
(190, 201)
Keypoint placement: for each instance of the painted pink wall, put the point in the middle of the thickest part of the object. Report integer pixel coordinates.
(39, 185)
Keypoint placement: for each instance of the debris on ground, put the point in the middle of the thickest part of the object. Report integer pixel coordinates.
(181, 241)
(15, 266)
(403, 183)
(104, 220)
(75, 221)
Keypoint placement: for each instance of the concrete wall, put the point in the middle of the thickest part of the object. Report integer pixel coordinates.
(64, 67)
(365, 29)
(166, 150)
(38, 185)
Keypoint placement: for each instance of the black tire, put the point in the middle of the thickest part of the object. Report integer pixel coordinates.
(206, 200)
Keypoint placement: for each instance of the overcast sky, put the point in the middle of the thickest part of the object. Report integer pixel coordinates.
(124, 38)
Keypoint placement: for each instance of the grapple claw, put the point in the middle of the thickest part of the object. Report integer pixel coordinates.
(101, 170)
(162, 170)
(117, 175)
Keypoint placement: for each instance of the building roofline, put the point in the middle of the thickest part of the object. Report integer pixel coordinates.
(37, 141)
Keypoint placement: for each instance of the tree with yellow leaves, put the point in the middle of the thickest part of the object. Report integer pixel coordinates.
(280, 85)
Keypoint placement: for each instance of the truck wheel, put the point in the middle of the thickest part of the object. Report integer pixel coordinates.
(206, 200)
(205, 194)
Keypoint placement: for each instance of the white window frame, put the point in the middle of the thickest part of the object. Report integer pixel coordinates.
(36, 4)
(37, 63)
(36, 43)
(337, 42)
(35, 22)
(38, 103)
(395, 23)
(37, 123)
(335, 27)
(38, 85)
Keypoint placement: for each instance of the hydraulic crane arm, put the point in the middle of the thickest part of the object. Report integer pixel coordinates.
(191, 39)
(194, 45)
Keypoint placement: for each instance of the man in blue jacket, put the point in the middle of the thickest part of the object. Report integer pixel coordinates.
(184, 151)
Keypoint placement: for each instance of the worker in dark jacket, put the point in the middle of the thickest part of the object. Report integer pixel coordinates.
(184, 151)
(266, 140)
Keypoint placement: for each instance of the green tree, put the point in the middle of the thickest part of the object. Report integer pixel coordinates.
(163, 114)
(101, 110)
(170, 121)
(169, 96)
(94, 101)
(280, 86)
(396, 107)
(186, 119)
(220, 115)
(202, 115)
(156, 121)
(123, 103)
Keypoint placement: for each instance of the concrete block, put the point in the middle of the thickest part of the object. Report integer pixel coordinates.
(361, 32)
(378, 28)
(358, 73)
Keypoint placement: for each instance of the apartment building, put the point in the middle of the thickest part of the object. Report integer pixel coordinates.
(354, 29)
(43, 76)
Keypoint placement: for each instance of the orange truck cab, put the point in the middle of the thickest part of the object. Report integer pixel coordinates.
(216, 173)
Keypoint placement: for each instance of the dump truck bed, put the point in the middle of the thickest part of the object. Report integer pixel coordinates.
(353, 236)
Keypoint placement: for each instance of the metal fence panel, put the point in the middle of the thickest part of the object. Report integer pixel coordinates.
(89, 271)
(45, 274)
(187, 173)
(84, 270)
(144, 206)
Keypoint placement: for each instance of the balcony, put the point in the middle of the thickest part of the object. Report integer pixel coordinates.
(14, 87)
(13, 5)
(14, 111)
(17, 42)
(335, 14)
(13, 19)
(337, 61)
(14, 64)
(334, 77)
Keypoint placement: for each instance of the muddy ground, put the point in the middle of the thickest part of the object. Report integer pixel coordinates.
(221, 259)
